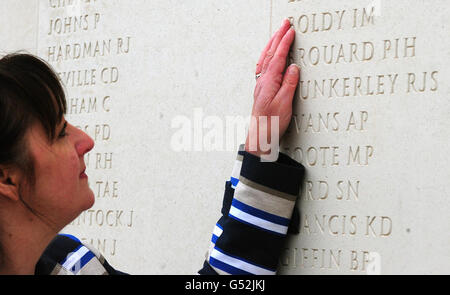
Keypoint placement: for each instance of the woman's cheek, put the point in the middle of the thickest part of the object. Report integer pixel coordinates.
(74, 165)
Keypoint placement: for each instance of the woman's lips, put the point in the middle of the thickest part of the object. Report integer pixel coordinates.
(83, 174)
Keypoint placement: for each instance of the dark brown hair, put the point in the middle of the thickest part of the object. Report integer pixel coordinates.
(30, 91)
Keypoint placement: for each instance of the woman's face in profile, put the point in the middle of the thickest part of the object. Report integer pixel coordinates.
(61, 191)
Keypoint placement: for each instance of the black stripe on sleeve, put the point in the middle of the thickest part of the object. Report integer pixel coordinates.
(284, 175)
(250, 243)
(227, 198)
(207, 269)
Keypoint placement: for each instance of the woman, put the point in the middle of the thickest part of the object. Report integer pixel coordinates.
(43, 185)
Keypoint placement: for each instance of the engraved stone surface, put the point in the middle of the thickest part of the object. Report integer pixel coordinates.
(370, 124)
(15, 33)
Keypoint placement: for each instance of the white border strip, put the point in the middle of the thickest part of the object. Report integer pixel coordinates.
(75, 257)
(281, 229)
(240, 264)
(217, 231)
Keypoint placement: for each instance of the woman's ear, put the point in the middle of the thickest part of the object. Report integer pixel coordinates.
(9, 183)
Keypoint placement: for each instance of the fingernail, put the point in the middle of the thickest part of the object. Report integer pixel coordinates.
(293, 69)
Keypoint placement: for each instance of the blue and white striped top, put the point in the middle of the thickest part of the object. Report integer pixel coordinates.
(257, 209)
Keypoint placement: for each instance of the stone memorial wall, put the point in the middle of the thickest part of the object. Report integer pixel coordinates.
(370, 124)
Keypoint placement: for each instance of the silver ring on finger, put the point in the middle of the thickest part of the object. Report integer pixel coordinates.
(257, 76)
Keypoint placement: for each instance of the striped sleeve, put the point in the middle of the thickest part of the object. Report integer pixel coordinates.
(67, 255)
(257, 209)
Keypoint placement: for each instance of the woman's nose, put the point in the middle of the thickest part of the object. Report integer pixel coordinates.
(84, 143)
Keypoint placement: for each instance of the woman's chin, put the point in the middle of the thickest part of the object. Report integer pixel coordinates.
(90, 200)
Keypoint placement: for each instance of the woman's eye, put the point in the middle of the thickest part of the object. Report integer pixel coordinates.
(63, 132)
